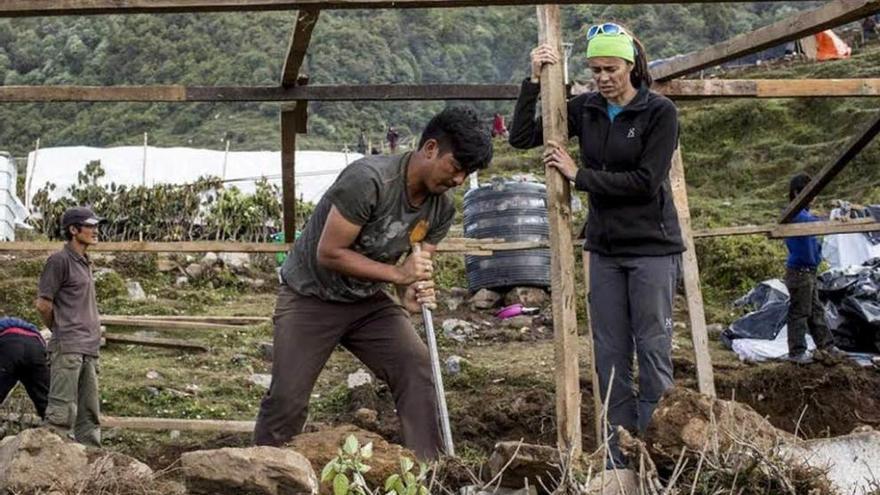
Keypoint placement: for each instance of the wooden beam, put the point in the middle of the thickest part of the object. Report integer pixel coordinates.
(292, 122)
(563, 293)
(130, 321)
(687, 89)
(591, 354)
(481, 247)
(830, 171)
(223, 320)
(299, 44)
(832, 14)
(168, 424)
(691, 276)
(155, 342)
(681, 89)
(21, 8)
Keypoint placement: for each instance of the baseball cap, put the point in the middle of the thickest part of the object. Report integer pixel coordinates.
(80, 215)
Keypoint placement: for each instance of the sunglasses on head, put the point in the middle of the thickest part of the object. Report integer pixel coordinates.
(607, 28)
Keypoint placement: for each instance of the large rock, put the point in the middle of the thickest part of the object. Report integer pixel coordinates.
(536, 463)
(236, 262)
(322, 446)
(455, 298)
(685, 418)
(194, 270)
(39, 460)
(852, 461)
(257, 470)
(135, 291)
(458, 330)
(527, 296)
(359, 378)
(614, 482)
(485, 299)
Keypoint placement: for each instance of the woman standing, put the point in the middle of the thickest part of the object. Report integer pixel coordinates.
(627, 135)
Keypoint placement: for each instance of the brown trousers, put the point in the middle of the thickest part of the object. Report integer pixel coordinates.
(378, 332)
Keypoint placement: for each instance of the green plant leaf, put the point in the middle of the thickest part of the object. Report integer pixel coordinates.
(389, 483)
(351, 445)
(409, 479)
(411, 490)
(423, 490)
(367, 451)
(406, 464)
(340, 485)
(328, 471)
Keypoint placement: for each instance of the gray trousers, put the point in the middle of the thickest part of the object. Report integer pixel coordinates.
(631, 313)
(74, 403)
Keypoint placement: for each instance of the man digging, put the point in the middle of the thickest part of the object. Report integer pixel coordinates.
(67, 304)
(333, 280)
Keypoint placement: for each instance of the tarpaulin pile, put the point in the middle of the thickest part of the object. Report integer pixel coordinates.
(851, 300)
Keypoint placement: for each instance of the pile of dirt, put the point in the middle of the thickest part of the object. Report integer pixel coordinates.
(815, 400)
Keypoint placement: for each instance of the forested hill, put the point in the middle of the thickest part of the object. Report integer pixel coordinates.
(475, 45)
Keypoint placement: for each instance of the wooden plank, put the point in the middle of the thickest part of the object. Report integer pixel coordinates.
(129, 321)
(20, 8)
(155, 247)
(299, 44)
(830, 171)
(563, 293)
(691, 275)
(832, 14)
(289, 129)
(168, 424)
(223, 320)
(686, 89)
(591, 354)
(154, 342)
(824, 228)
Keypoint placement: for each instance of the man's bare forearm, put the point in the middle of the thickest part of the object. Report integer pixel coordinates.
(46, 312)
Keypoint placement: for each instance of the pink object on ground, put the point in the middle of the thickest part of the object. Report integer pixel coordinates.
(509, 311)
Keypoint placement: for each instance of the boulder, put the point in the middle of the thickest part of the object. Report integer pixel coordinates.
(209, 260)
(194, 270)
(523, 461)
(851, 460)
(485, 299)
(165, 264)
(614, 482)
(359, 378)
(256, 470)
(261, 380)
(458, 330)
(135, 291)
(527, 296)
(323, 445)
(685, 418)
(235, 261)
(267, 350)
(456, 297)
(24, 460)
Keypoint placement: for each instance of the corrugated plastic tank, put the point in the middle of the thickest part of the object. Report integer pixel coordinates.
(513, 211)
(7, 197)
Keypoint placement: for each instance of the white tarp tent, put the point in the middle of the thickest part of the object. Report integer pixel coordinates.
(315, 170)
(12, 212)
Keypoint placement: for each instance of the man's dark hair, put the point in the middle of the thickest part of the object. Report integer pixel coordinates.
(459, 130)
(797, 184)
(67, 235)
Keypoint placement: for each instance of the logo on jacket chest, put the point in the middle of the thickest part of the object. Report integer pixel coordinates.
(631, 133)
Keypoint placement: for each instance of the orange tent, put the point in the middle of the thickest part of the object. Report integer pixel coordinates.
(825, 46)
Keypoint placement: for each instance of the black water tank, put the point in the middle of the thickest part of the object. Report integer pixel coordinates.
(513, 211)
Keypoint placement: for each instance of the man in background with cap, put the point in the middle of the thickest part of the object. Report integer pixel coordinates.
(67, 305)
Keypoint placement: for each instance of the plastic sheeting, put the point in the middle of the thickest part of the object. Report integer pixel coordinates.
(315, 170)
(769, 304)
(758, 350)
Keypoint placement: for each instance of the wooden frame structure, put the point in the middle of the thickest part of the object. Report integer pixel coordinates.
(294, 88)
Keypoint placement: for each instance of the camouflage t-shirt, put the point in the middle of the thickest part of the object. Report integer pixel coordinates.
(370, 192)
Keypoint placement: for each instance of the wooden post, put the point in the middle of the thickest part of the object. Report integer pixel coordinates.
(554, 112)
(693, 293)
(591, 353)
(289, 119)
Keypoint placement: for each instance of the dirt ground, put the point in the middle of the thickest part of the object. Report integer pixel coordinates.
(505, 390)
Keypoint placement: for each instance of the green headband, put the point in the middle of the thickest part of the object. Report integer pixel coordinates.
(612, 45)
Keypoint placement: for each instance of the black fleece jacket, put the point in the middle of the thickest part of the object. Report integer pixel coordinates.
(625, 168)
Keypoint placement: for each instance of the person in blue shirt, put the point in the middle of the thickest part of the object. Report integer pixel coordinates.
(805, 311)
